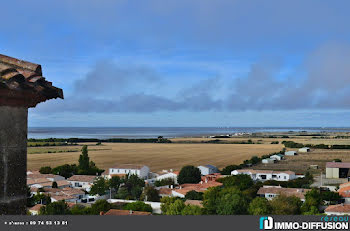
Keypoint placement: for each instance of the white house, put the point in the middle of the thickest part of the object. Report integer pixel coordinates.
(168, 174)
(141, 171)
(208, 169)
(277, 157)
(290, 153)
(304, 149)
(82, 181)
(270, 192)
(263, 175)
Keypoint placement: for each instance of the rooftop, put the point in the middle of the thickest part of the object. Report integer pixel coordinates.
(35, 207)
(128, 166)
(337, 165)
(82, 178)
(22, 83)
(194, 202)
(200, 187)
(118, 212)
(340, 208)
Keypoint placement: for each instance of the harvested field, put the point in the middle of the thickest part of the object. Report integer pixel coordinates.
(156, 156)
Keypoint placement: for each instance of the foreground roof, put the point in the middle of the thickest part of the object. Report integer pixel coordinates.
(82, 178)
(340, 208)
(117, 212)
(22, 83)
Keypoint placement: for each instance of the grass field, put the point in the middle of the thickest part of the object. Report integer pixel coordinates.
(157, 156)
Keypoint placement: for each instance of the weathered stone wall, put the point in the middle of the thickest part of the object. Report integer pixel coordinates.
(13, 159)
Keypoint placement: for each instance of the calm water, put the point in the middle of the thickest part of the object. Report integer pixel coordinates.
(151, 132)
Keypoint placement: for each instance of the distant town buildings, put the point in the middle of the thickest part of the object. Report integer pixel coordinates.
(141, 171)
(304, 149)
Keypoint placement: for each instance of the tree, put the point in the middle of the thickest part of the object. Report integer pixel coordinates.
(175, 208)
(54, 184)
(100, 206)
(138, 206)
(163, 182)
(134, 186)
(114, 183)
(41, 198)
(284, 205)
(228, 169)
(99, 187)
(241, 181)
(259, 206)
(189, 174)
(150, 194)
(313, 200)
(231, 202)
(65, 170)
(166, 202)
(79, 210)
(84, 160)
(55, 208)
(330, 196)
(194, 195)
(191, 210)
(45, 170)
(123, 193)
(209, 200)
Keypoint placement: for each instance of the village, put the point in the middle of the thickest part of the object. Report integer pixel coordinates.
(131, 189)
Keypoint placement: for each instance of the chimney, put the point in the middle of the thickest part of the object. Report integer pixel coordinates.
(171, 186)
(206, 180)
(201, 182)
(130, 212)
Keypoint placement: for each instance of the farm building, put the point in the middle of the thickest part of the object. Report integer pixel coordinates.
(208, 169)
(290, 153)
(337, 170)
(304, 149)
(277, 157)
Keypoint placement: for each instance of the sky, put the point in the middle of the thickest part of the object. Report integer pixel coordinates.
(180, 63)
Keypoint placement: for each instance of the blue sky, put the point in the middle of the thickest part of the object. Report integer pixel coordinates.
(186, 63)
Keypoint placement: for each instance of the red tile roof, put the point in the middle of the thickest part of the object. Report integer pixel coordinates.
(340, 208)
(164, 191)
(22, 83)
(117, 212)
(201, 187)
(36, 207)
(344, 191)
(194, 202)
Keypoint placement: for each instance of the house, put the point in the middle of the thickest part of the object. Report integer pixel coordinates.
(344, 192)
(304, 149)
(65, 194)
(270, 192)
(168, 175)
(118, 212)
(183, 189)
(263, 175)
(337, 170)
(37, 175)
(290, 153)
(268, 161)
(141, 171)
(277, 157)
(208, 169)
(22, 86)
(338, 210)
(165, 192)
(35, 209)
(82, 181)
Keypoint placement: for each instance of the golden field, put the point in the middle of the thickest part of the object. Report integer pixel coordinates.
(157, 156)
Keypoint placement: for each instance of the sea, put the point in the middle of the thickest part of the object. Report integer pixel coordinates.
(166, 132)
